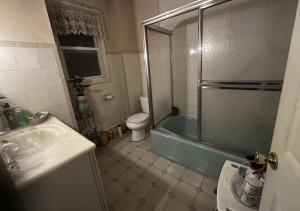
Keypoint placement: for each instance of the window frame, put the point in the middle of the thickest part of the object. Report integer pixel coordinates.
(102, 59)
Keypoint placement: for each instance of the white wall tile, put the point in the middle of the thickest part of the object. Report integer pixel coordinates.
(192, 89)
(180, 88)
(25, 84)
(191, 100)
(180, 52)
(185, 67)
(179, 65)
(191, 111)
(182, 109)
(133, 80)
(40, 98)
(61, 112)
(11, 82)
(192, 64)
(109, 113)
(29, 78)
(134, 103)
(180, 99)
(7, 59)
(19, 99)
(46, 58)
(27, 58)
(191, 77)
(114, 62)
(34, 80)
(57, 95)
(179, 76)
(52, 77)
(179, 36)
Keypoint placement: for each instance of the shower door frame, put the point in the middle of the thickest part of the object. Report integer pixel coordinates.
(268, 85)
(197, 5)
(163, 31)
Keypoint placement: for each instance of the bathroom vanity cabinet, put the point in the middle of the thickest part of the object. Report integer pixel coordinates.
(76, 187)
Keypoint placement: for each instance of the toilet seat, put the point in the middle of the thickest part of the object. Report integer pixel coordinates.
(138, 118)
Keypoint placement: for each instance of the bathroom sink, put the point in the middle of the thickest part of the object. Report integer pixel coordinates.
(36, 151)
(34, 140)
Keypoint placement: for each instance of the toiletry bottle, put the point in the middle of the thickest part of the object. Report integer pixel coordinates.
(120, 132)
(3, 120)
(83, 106)
(10, 117)
(20, 117)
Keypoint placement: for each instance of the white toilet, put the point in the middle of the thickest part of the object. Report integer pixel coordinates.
(139, 122)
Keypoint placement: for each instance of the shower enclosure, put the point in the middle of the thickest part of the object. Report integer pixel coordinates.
(222, 64)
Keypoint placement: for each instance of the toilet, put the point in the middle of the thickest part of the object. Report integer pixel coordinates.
(139, 122)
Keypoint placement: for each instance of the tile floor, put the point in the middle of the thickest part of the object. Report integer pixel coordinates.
(135, 179)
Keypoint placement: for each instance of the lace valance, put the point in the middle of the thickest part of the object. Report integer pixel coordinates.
(72, 20)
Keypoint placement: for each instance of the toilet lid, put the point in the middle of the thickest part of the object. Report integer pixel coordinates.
(139, 117)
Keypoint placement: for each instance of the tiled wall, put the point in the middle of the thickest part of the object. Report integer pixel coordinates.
(31, 77)
(184, 68)
(125, 86)
(133, 81)
(110, 113)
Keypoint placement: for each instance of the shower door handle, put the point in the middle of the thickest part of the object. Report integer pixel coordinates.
(240, 85)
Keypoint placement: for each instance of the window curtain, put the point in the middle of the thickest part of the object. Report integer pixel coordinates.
(71, 19)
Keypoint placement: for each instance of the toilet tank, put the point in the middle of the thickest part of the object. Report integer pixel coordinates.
(144, 104)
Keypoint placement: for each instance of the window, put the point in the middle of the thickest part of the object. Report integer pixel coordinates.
(81, 33)
(82, 56)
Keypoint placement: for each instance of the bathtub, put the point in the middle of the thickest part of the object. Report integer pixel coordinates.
(176, 138)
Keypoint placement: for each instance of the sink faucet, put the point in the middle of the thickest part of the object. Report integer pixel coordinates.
(7, 151)
(6, 146)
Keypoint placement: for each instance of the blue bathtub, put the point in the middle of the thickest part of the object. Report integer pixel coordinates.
(176, 138)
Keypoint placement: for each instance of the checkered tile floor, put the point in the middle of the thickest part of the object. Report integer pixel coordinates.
(135, 179)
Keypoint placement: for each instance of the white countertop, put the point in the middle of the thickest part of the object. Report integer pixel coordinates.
(71, 146)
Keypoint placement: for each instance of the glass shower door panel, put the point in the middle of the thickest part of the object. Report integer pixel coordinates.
(247, 39)
(160, 70)
(240, 121)
(184, 35)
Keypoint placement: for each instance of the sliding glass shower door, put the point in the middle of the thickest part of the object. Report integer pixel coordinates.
(159, 53)
(222, 64)
(173, 62)
(245, 45)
